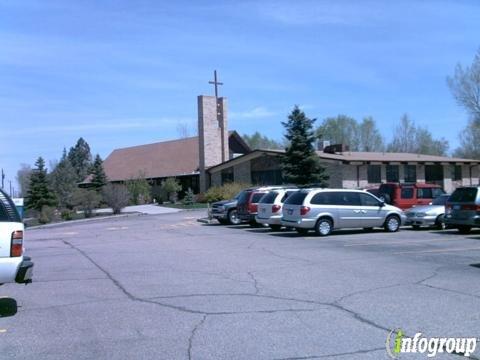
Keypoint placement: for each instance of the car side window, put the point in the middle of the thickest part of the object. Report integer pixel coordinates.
(351, 198)
(368, 200)
(407, 193)
(319, 199)
(436, 192)
(424, 193)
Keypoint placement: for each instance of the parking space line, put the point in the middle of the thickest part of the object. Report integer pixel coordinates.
(3, 331)
(400, 242)
(436, 251)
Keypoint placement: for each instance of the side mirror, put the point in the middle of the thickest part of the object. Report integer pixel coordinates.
(381, 203)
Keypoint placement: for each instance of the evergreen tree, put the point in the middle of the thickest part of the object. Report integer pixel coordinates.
(301, 164)
(39, 193)
(81, 159)
(99, 179)
(64, 182)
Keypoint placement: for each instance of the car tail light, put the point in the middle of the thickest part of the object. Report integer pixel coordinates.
(276, 208)
(252, 208)
(304, 210)
(16, 247)
(471, 207)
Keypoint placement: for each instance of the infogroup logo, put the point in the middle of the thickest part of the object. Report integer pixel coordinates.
(430, 346)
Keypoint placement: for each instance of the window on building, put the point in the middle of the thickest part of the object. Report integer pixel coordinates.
(410, 173)
(457, 172)
(267, 177)
(227, 175)
(374, 174)
(393, 173)
(434, 174)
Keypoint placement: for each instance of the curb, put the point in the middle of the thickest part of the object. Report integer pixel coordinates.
(63, 223)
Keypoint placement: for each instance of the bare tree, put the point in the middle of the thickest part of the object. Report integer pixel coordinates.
(369, 137)
(341, 129)
(410, 138)
(23, 178)
(116, 196)
(183, 130)
(465, 86)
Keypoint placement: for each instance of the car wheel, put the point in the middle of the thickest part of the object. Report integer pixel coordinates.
(323, 227)
(302, 231)
(233, 218)
(439, 223)
(392, 223)
(276, 227)
(415, 227)
(464, 229)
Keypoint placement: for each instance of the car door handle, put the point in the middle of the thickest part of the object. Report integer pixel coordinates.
(364, 211)
(357, 211)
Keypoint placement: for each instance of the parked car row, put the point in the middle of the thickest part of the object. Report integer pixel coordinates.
(324, 210)
(321, 210)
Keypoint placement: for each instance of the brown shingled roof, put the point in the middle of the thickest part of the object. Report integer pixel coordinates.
(389, 156)
(162, 159)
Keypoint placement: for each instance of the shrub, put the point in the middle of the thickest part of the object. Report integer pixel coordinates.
(66, 214)
(200, 198)
(224, 192)
(169, 189)
(139, 190)
(116, 196)
(47, 214)
(86, 201)
(189, 198)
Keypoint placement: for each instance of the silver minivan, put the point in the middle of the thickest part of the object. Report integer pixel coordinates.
(324, 210)
(462, 210)
(270, 207)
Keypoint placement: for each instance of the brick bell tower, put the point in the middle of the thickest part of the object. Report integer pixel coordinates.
(212, 133)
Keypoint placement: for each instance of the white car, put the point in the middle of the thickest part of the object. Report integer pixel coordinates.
(14, 266)
(270, 207)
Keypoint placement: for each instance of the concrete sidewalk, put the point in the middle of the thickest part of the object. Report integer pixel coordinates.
(148, 209)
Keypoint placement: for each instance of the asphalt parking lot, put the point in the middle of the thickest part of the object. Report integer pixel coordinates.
(168, 287)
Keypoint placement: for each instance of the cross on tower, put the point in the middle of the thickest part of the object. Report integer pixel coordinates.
(215, 82)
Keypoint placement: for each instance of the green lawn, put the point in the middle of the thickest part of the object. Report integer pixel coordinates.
(183, 206)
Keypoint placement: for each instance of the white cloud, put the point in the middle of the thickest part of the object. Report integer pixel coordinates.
(99, 125)
(256, 112)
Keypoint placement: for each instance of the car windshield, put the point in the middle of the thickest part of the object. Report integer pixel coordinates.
(441, 200)
(464, 195)
(243, 196)
(269, 198)
(296, 198)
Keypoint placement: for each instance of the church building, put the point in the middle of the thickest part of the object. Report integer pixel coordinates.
(218, 156)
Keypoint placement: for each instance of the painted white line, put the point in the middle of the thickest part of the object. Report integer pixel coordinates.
(436, 251)
(386, 242)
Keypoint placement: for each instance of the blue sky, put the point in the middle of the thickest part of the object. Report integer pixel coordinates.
(122, 73)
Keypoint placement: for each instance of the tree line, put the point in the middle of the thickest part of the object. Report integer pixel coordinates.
(77, 182)
(408, 136)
